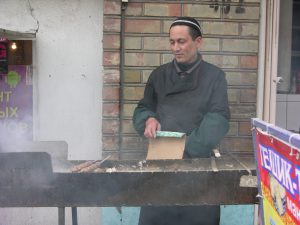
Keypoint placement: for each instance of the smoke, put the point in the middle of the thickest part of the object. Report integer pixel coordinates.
(57, 151)
(23, 170)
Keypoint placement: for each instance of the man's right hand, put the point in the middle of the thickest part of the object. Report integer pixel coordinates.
(152, 125)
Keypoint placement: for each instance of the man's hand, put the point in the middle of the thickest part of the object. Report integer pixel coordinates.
(152, 125)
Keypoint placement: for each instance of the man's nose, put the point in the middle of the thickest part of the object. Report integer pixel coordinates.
(176, 47)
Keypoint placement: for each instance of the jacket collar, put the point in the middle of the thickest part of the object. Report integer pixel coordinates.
(180, 72)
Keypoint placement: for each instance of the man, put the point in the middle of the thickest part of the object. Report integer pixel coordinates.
(186, 95)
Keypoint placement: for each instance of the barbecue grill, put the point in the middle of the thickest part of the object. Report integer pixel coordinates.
(29, 179)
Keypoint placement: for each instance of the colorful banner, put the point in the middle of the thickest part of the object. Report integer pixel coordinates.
(16, 104)
(278, 167)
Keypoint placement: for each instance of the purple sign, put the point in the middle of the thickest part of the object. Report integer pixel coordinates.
(16, 104)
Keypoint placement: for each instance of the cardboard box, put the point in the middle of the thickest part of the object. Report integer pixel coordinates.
(166, 145)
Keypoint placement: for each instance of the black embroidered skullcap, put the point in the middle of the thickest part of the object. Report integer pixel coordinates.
(188, 21)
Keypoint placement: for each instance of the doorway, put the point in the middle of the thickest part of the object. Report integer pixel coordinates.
(288, 89)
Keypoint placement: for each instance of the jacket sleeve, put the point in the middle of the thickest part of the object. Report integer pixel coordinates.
(146, 108)
(207, 136)
(214, 125)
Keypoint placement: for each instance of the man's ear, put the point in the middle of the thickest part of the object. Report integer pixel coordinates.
(199, 41)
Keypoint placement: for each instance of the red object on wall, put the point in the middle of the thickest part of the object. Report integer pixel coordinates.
(3, 55)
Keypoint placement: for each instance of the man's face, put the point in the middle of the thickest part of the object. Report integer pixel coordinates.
(183, 46)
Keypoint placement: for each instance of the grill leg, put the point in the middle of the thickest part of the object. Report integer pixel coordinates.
(74, 216)
(61, 215)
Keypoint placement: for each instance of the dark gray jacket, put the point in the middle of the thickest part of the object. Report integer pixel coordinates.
(194, 102)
